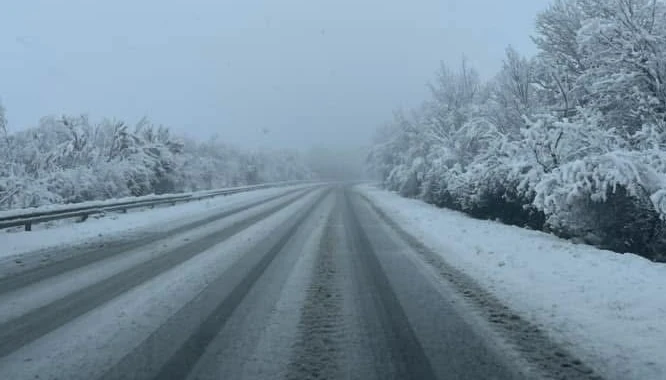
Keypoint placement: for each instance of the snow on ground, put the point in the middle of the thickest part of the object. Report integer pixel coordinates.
(114, 201)
(115, 225)
(42, 293)
(92, 343)
(607, 308)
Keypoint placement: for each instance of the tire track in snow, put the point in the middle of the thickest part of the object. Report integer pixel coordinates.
(549, 359)
(157, 358)
(25, 329)
(87, 255)
(407, 355)
(317, 352)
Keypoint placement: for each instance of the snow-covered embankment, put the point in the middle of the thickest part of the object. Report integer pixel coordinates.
(607, 308)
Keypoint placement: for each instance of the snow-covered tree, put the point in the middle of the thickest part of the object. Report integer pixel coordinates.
(71, 159)
(513, 93)
(571, 141)
(3, 125)
(624, 50)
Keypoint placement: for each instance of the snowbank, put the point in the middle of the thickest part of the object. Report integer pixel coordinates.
(115, 225)
(607, 308)
(114, 201)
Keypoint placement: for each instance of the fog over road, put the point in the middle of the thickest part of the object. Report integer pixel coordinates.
(310, 284)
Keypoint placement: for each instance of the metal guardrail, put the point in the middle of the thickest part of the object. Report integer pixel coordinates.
(34, 216)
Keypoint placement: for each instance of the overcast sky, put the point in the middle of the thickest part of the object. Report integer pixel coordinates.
(304, 71)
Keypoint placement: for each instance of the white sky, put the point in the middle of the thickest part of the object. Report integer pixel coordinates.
(308, 71)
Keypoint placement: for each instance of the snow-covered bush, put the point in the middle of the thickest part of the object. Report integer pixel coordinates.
(71, 159)
(611, 199)
(572, 141)
(496, 193)
(623, 46)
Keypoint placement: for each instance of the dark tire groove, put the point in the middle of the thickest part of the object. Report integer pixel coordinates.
(552, 360)
(317, 351)
(31, 276)
(409, 358)
(181, 363)
(25, 329)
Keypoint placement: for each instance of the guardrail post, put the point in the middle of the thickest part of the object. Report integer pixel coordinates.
(28, 226)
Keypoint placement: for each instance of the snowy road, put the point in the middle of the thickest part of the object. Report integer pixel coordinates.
(308, 284)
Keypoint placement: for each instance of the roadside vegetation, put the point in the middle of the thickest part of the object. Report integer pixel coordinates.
(571, 141)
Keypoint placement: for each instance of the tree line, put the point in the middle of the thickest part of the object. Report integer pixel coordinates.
(569, 141)
(73, 159)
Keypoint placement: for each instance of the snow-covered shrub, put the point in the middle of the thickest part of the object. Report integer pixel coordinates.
(572, 140)
(436, 178)
(595, 177)
(34, 193)
(111, 181)
(71, 159)
(410, 178)
(441, 186)
(611, 199)
(495, 194)
(72, 185)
